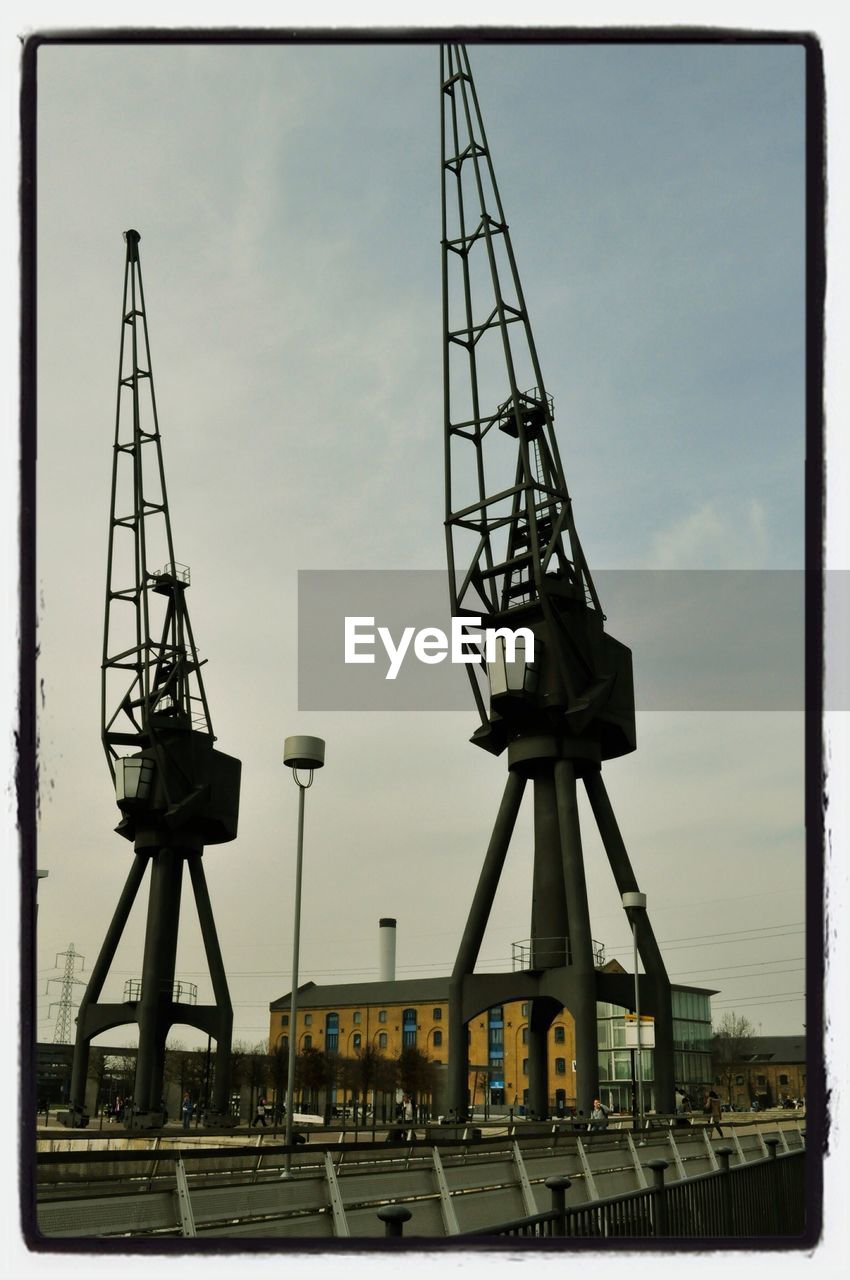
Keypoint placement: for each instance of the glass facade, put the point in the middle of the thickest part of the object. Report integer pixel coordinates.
(691, 1051)
(496, 1053)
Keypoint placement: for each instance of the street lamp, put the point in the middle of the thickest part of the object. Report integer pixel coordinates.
(308, 754)
(637, 901)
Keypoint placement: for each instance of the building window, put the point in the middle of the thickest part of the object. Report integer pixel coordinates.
(382, 1040)
(783, 1079)
(525, 1035)
(382, 1015)
(331, 1032)
(308, 1019)
(307, 1042)
(438, 1038)
(437, 1013)
(355, 1040)
(524, 1010)
(284, 1019)
(761, 1080)
(408, 1028)
(560, 1067)
(525, 1066)
(739, 1079)
(284, 1043)
(559, 1035)
(356, 1018)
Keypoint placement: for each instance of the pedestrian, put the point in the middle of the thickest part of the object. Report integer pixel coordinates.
(680, 1102)
(712, 1108)
(186, 1109)
(260, 1115)
(598, 1115)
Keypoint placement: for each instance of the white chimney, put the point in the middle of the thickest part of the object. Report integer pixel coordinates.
(386, 949)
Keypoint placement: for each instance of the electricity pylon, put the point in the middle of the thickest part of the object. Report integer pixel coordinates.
(515, 560)
(65, 1003)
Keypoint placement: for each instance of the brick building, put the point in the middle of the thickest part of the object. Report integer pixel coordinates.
(392, 1015)
(770, 1070)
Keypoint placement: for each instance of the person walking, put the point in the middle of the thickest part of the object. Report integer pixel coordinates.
(712, 1107)
(598, 1115)
(186, 1110)
(260, 1115)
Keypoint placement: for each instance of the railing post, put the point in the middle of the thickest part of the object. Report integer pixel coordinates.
(723, 1154)
(394, 1217)
(558, 1187)
(660, 1197)
(772, 1144)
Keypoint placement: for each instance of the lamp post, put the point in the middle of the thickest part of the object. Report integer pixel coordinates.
(308, 754)
(637, 901)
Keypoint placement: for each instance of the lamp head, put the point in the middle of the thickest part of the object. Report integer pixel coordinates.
(304, 753)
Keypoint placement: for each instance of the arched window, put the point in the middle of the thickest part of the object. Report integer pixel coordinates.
(382, 1040)
(438, 1038)
(331, 1032)
(355, 1040)
(307, 1042)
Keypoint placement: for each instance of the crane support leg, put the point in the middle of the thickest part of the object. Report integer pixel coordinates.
(98, 977)
(647, 945)
(219, 983)
(473, 935)
(157, 976)
(583, 1002)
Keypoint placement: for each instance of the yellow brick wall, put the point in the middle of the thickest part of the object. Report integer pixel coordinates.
(371, 1028)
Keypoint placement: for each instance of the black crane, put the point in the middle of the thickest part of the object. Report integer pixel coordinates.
(516, 561)
(175, 791)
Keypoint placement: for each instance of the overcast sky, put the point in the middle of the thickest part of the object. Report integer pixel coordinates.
(288, 203)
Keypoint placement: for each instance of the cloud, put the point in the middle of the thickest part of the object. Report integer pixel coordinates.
(714, 536)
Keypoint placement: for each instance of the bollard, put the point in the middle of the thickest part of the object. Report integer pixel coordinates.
(723, 1154)
(558, 1187)
(660, 1197)
(394, 1217)
(772, 1145)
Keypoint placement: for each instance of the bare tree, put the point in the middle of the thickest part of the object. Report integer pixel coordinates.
(730, 1044)
(278, 1076)
(416, 1076)
(311, 1074)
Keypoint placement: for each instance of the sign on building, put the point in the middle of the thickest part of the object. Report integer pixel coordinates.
(647, 1031)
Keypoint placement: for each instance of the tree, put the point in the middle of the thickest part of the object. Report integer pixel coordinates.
(186, 1068)
(730, 1044)
(311, 1073)
(279, 1075)
(416, 1075)
(367, 1070)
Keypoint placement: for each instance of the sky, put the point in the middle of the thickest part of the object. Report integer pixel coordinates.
(288, 204)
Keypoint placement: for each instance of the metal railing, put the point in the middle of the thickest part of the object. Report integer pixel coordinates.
(533, 953)
(181, 992)
(763, 1198)
(443, 1182)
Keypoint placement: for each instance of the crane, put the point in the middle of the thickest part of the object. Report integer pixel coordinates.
(516, 561)
(175, 791)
